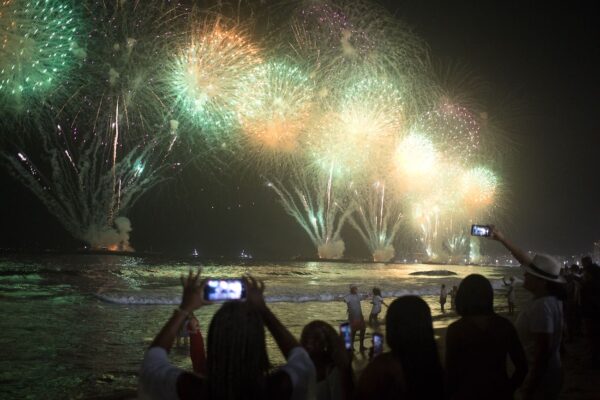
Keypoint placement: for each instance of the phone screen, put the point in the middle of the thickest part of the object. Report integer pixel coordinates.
(377, 343)
(224, 289)
(346, 333)
(480, 230)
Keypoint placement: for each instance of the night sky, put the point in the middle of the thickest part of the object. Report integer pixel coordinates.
(540, 63)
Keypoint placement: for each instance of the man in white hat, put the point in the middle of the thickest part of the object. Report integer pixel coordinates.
(355, 315)
(540, 323)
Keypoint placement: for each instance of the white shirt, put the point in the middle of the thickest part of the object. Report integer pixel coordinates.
(158, 377)
(377, 300)
(354, 310)
(542, 315)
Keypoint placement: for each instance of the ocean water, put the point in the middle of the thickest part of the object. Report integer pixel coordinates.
(76, 326)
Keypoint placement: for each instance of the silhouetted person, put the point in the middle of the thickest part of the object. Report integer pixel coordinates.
(412, 369)
(237, 364)
(377, 301)
(443, 297)
(590, 307)
(510, 293)
(573, 302)
(355, 315)
(332, 362)
(540, 322)
(477, 346)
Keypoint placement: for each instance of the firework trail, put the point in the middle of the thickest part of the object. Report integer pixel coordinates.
(378, 221)
(319, 209)
(75, 182)
(39, 46)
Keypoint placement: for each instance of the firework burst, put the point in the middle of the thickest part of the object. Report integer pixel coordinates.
(278, 111)
(453, 129)
(39, 46)
(208, 73)
(358, 133)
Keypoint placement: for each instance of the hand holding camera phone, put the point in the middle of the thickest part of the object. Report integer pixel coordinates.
(224, 289)
(346, 333)
(481, 230)
(377, 343)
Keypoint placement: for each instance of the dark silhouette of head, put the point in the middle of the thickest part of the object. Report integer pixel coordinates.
(320, 340)
(376, 291)
(409, 330)
(236, 360)
(586, 261)
(475, 296)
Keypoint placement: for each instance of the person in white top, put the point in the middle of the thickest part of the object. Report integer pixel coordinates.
(540, 322)
(510, 293)
(355, 315)
(237, 363)
(377, 301)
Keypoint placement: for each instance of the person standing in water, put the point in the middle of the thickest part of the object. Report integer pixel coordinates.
(510, 294)
(443, 297)
(355, 315)
(377, 302)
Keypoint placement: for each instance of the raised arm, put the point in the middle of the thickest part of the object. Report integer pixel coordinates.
(519, 254)
(283, 337)
(191, 300)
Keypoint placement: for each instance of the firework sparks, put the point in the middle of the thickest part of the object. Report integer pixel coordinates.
(453, 129)
(279, 107)
(478, 186)
(207, 75)
(357, 135)
(75, 183)
(378, 222)
(319, 209)
(38, 48)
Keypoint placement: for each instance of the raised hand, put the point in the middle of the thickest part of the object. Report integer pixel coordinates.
(193, 292)
(254, 292)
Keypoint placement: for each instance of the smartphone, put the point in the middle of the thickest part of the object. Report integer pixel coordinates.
(224, 289)
(481, 230)
(377, 343)
(346, 333)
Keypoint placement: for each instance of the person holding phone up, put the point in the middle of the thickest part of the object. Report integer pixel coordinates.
(540, 323)
(237, 363)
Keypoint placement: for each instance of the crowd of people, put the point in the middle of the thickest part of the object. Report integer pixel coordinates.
(487, 356)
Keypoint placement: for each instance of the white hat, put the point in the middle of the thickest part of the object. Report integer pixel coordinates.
(545, 267)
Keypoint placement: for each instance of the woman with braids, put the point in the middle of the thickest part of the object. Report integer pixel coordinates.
(237, 365)
(412, 369)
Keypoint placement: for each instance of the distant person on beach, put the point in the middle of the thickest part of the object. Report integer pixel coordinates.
(477, 346)
(412, 369)
(452, 295)
(590, 307)
(443, 297)
(510, 293)
(237, 363)
(377, 301)
(335, 378)
(540, 322)
(183, 334)
(355, 315)
(573, 303)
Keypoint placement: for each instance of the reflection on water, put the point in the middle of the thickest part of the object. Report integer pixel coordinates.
(77, 326)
